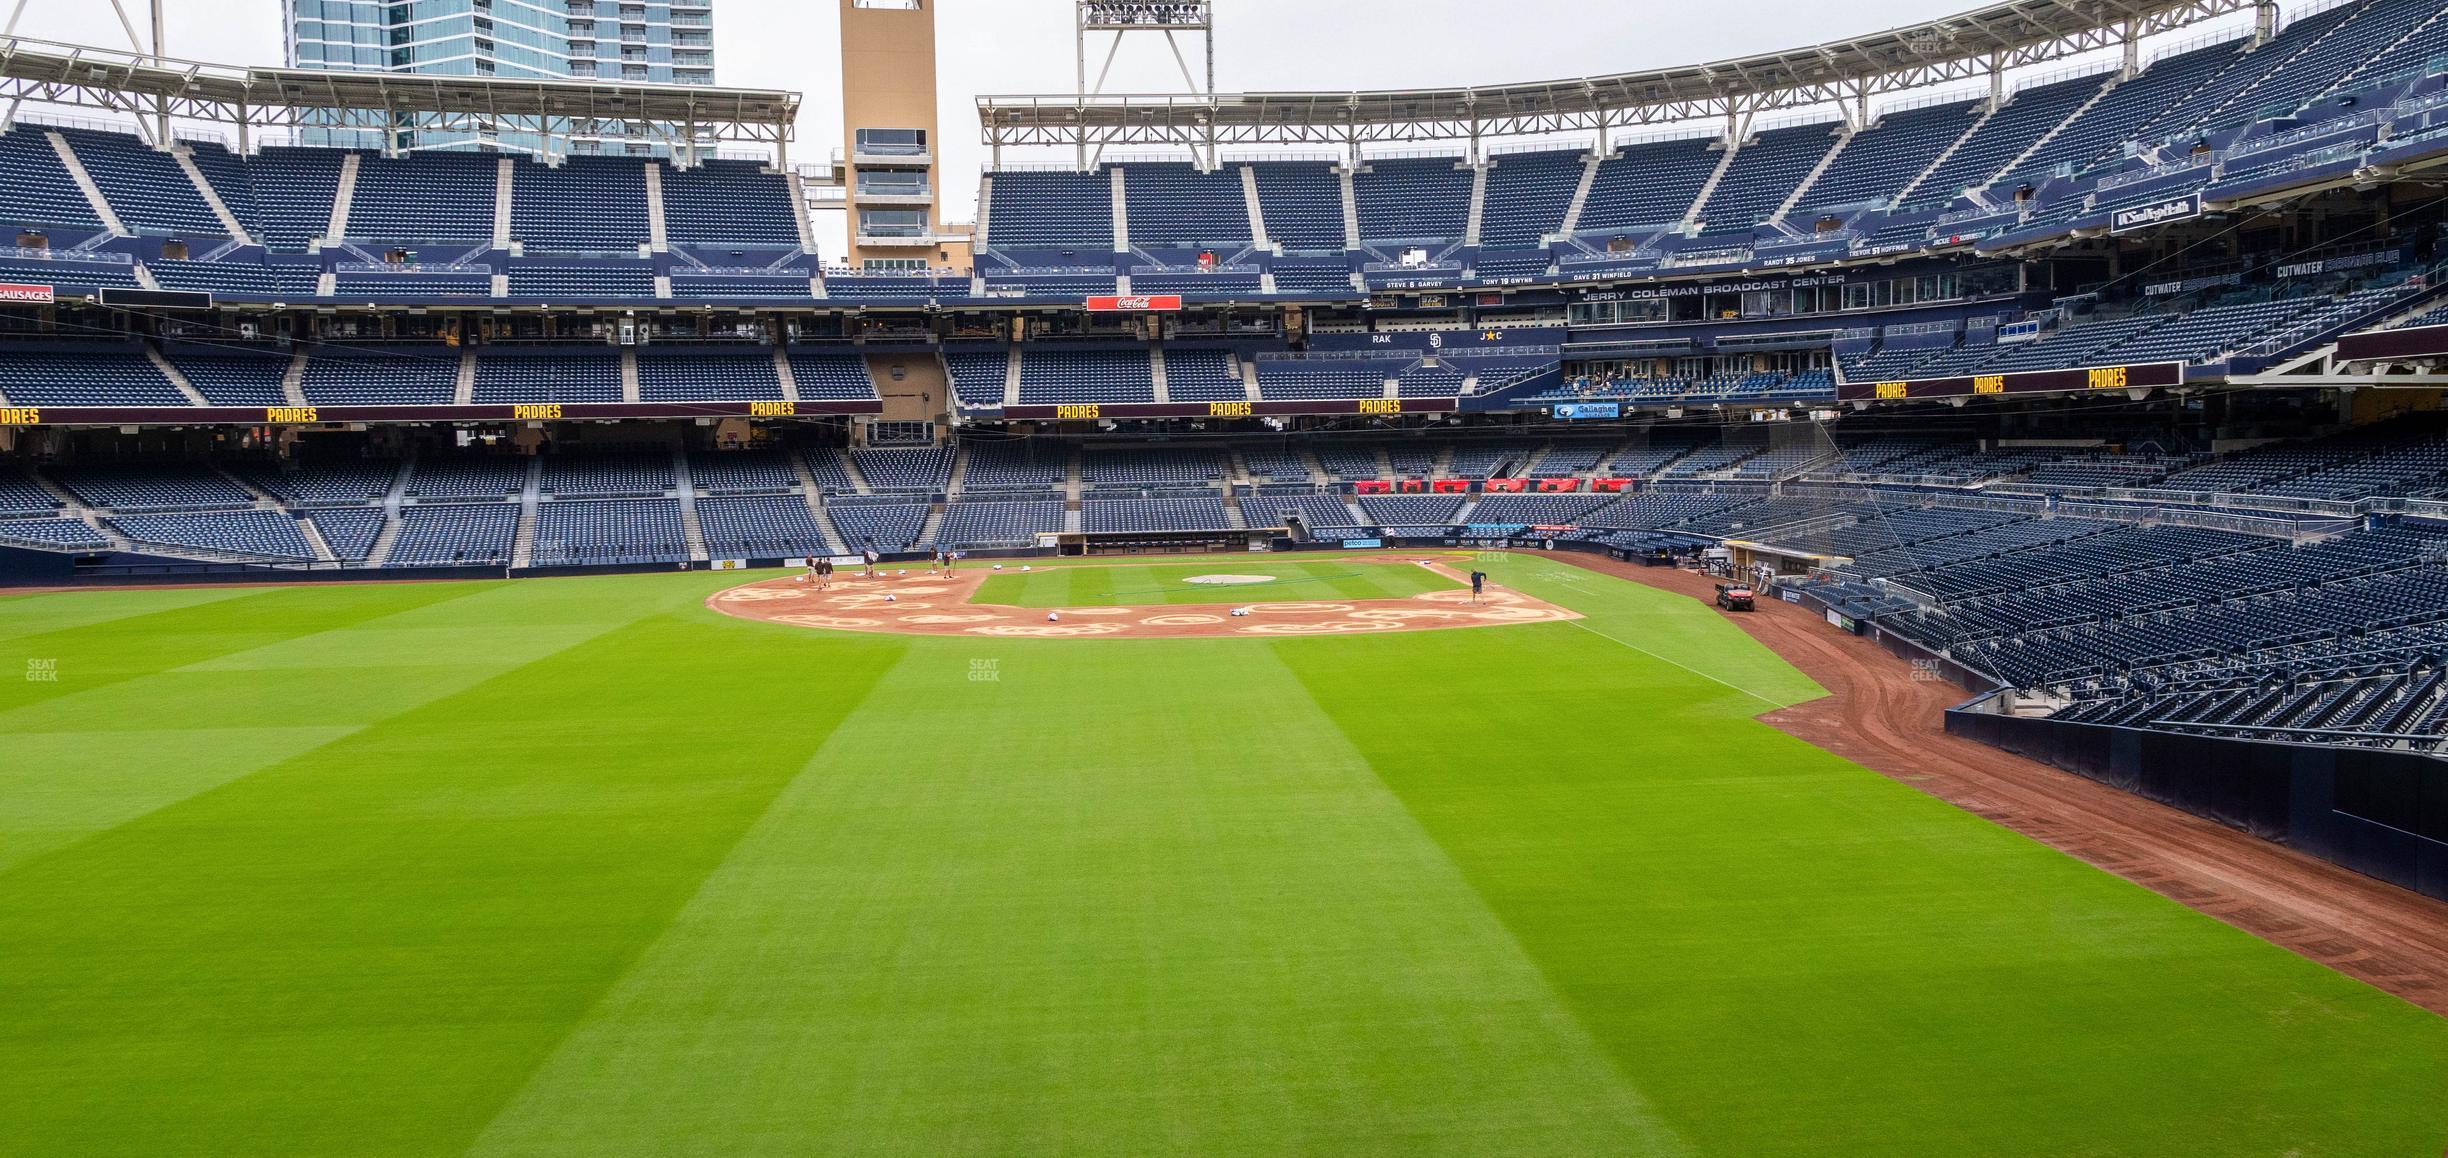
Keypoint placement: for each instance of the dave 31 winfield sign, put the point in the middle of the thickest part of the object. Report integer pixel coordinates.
(37, 295)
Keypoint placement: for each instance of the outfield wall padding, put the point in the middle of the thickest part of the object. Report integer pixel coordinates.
(2381, 813)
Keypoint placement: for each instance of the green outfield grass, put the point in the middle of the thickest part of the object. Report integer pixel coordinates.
(579, 867)
(1142, 584)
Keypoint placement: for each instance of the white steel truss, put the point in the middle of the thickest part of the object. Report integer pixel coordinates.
(143, 85)
(1982, 45)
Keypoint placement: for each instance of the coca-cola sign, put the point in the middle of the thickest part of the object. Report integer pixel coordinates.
(1136, 303)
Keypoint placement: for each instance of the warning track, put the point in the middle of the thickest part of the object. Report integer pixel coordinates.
(1877, 715)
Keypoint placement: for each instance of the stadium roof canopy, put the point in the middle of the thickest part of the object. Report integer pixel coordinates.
(1982, 44)
(80, 76)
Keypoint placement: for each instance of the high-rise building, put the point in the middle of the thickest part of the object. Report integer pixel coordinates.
(635, 41)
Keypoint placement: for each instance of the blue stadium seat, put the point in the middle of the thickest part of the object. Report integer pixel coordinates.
(1052, 210)
(268, 534)
(1413, 200)
(722, 202)
(455, 536)
(1527, 196)
(293, 192)
(993, 525)
(1302, 202)
(621, 532)
(760, 527)
(889, 527)
(90, 375)
(1178, 207)
(547, 374)
(585, 205)
(683, 374)
(146, 187)
(1054, 374)
(39, 195)
(1138, 516)
(426, 375)
(1648, 186)
(439, 199)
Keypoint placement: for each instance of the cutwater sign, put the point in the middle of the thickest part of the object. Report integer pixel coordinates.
(2156, 213)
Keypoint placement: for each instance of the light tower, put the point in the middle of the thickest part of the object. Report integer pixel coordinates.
(1121, 18)
(159, 129)
(1173, 20)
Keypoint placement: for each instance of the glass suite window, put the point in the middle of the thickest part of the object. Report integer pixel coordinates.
(893, 222)
(893, 183)
(892, 142)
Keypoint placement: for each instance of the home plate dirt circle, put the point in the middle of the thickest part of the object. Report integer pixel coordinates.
(950, 609)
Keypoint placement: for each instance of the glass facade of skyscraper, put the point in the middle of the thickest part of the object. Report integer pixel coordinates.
(634, 41)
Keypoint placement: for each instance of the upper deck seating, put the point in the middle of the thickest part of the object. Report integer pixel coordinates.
(1177, 207)
(1527, 196)
(584, 205)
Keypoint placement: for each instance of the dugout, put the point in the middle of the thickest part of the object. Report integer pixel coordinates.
(1749, 558)
(1236, 540)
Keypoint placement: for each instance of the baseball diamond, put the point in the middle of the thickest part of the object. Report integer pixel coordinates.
(1822, 581)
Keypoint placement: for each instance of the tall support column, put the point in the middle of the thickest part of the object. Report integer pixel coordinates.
(161, 104)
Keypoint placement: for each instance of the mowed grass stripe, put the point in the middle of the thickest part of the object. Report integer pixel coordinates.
(57, 788)
(1095, 583)
(46, 612)
(98, 757)
(367, 949)
(1793, 955)
(1661, 625)
(1039, 898)
(92, 654)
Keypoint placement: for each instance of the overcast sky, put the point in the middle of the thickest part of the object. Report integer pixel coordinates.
(1025, 46)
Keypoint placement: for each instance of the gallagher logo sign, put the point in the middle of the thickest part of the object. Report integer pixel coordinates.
(2156, 213)
(1137, 303)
